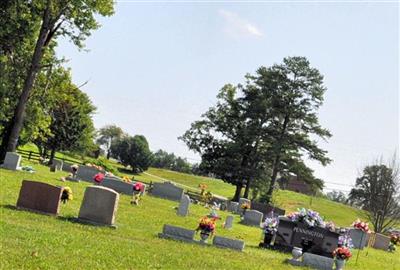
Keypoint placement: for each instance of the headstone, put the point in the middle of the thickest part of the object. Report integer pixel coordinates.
(228, 222)
(167, 191)
(183, 209)
(316, 240)
(317, 262)
(86, 173)
(266, 209)
(58, 164)
(177, 233)
(234, 207)
(359, 238)
(66, 167)
(252, 218)
(228, 243)
(12, 161)
(40, 197)
(118, 185)
(99, 206)
(381, 241)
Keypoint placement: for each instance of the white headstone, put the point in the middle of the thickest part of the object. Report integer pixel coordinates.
(183, 209)
(99, 205)
(12, 161)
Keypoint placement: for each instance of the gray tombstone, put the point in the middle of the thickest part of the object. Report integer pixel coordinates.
(99, 206)
(252, 218)
(67, 167)
(266, 209)
(234, 207)
(228, 222)
(317, 262)
(12, 161)
(183, 209)
(86, 173)
(381, 241)
(177, 233)
(359, 238)
(58, 164)
(228, 243)
(117, 185)
(168, 191)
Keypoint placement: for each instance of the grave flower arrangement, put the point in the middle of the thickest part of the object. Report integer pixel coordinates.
(126, 179)
(95, 166)
(307, 216)
(98, 178)
(363, 226)
(270, 225)
(203, 188)
(330, 226)
(245, 206)
(345, 241)
(138, 187)
(66, 195)
(342, 253)
(394, 241)
(206, 227)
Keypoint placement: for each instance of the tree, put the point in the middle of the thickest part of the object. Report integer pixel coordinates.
(289, 94)
(70, 111)
(265, 124)
(377, 192)
(72, 18)
(107, 135)
(337, 196)
(133, 152)
(228, 142)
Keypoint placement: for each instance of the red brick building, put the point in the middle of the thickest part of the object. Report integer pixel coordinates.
(293, 183)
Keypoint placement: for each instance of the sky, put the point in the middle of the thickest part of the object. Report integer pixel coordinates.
(153, 68)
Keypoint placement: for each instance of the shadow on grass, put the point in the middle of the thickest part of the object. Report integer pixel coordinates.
(73, 219)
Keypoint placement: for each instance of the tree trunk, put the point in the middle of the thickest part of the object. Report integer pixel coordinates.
(247, 189)
(238, 191)
(52, 155)
(19, 113)
(277, 160)
(273, 178)
(108, 153)
(4, 141)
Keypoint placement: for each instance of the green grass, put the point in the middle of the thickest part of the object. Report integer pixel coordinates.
(34, 241)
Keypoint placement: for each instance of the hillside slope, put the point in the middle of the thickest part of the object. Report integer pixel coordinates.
(34, 241)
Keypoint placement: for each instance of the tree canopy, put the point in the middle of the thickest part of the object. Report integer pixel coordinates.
(268, 123)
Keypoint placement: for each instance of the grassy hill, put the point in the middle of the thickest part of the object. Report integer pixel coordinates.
(34, 241)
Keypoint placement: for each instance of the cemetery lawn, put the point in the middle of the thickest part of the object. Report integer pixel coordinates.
(33, 241)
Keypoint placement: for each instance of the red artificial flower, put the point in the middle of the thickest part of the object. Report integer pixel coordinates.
(98, 178)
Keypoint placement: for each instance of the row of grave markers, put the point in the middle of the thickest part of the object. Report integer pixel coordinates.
(99, 205)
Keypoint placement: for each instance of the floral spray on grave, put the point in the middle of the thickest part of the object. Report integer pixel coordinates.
(207, 226)
(270, 227)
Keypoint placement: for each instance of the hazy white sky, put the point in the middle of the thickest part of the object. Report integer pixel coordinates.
(153, 68)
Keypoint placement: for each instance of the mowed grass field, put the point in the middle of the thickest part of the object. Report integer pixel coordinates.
(34, 241)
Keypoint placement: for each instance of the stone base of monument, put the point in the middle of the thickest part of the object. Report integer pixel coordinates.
(72, 179)
(313, 261)
(92, 223)
(294, 262)
(185, 235)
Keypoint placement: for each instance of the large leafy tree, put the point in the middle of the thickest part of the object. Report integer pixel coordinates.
(228, 142)
(289, 95)
(107, 135)
(263, 127)
(377, 192)
(133, 151)
(71, 18)
(70, 111)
